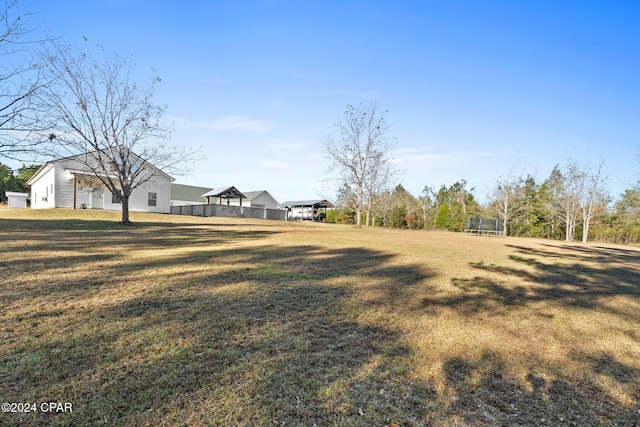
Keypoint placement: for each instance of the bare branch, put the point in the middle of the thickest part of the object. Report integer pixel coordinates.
(360, 152)
(98, 114)
(20, 79)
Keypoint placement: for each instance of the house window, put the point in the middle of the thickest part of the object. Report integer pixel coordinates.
(152, 199)
(116, 197)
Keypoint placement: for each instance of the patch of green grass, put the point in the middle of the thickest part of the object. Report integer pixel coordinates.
(217, 321)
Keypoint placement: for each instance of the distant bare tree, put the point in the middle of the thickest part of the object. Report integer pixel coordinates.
(428, 206)
(567, 188)
(361, 152)
(110, 123)
(576, 195)
(507, 199)
(382, 174)
(594, 198)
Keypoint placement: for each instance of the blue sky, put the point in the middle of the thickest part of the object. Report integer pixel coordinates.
(472, 89)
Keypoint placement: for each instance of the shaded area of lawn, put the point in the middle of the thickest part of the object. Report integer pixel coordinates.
(262, 337)
(541, 283)
(488, 394)
(585, 276)
(241, 324)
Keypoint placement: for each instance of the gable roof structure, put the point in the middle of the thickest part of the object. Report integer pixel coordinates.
(224, 193)
(80, 168)
(188, 193)
(43, 169)
(253, 194)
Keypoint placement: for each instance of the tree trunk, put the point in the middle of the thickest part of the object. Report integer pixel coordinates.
(125, 210)
(570, 229)
(505, 214)
(586, 216)
(585, 231)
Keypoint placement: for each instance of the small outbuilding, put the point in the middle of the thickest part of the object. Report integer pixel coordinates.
(16, 200)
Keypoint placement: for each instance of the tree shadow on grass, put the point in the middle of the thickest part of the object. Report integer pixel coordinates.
(79, 235)
(597, 254)
(587, 279)
(33, 260)
(486, 393)
(267, 335)
(261, 334)
(583, 279)
(604, 363)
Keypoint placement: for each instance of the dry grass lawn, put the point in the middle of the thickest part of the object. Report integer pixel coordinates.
(194, 321)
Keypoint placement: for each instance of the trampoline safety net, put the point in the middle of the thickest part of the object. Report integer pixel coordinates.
(487, 225)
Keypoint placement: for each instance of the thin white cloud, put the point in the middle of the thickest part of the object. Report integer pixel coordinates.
(281, 144)
(216, 80)
(412, 150)
(273, 165)
(451, 159)
(228, 123)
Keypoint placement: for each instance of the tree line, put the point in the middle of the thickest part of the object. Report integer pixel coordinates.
(572, 203)
(528, 208)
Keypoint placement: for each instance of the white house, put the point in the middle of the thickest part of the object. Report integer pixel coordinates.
(68, 183)
(256, 199)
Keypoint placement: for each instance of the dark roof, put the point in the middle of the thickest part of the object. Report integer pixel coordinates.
(188, 192)
(319, 203)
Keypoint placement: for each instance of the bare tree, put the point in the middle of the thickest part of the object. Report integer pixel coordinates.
(382, 207)
(20, 79)
(360, 150)
(577, 195)
(428, 205)
(379, 181)
(111, 124)
(346, 201)
(594, 198)
(566, 193)
(507, 197)
(574, 196)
